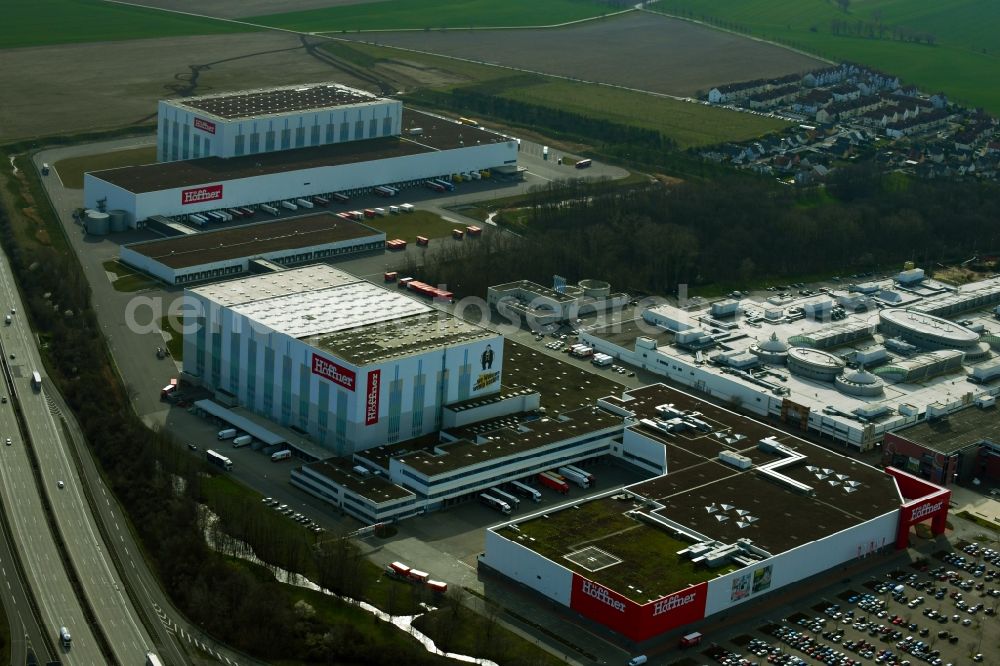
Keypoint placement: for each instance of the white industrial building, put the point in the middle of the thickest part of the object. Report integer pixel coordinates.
(267, 146)
(271, 119)
(352, 364)
(230, 252)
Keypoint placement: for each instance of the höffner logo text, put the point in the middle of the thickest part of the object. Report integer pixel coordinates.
(335, 373)
(925, 510)
(602, 594)
(201, 194)
(670, 603)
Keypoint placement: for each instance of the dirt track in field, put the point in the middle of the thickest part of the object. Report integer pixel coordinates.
(47, 91)
(639, 50)
(242, 8)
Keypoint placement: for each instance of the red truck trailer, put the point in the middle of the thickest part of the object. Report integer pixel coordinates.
(553, 481)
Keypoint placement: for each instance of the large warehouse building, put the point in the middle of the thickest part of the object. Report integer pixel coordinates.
(228, 252)
(279, 144)
(272, 119)
(740, 511)
(352, 364)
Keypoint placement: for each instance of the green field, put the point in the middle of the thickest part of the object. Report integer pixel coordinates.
(426, 14)
(687, 123)
(71, 169)
(962, 61)
(43, 22)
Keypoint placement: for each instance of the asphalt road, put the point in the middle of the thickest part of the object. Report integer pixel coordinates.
(22, 502)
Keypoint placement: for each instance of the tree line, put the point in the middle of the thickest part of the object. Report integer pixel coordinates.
(732, 231)
(162, 488)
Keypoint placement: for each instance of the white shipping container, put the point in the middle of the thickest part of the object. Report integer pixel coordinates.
(393, 209)
(305, 203)
(289, 205)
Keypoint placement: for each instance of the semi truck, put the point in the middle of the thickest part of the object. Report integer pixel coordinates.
(434, 185)
(228, 433)
(554, 482)
(445, 184)
(342, 198)
(36, 380)
(511, 501)
(495, 503)
(321, 201)
(525, 490)
(397, 570)
(289, 205)
(576, 477)
(270, 209)
(602, 360)
(219, 460)
(153, 660)
(242, 440)
(65, 638)
(590, 477)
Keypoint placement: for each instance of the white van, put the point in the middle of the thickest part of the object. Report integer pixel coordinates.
(636, 661)
(228, 433)
(64, 637)
(242, 440)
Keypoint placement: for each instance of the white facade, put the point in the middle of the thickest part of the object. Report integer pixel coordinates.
(184, 132)
(240, 265)
(264, 352)
(807, 560)
(228, 193)
(460, 481)
(528, 568)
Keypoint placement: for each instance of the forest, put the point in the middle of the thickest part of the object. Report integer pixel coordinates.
(732, 232)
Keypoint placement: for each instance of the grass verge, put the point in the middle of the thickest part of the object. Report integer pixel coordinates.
(462, 631)
(430, 14)
(982, 522)
(175, 345)
(410, 225)
(127, 280)
(71, 169)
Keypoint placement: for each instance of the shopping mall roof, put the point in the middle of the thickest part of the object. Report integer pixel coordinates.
(957, 431)
(270, 101)
(929, 325)
(438, 134)
(712, 498)
(253, 240)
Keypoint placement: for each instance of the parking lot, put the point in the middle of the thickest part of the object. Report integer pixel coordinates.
(940, 609)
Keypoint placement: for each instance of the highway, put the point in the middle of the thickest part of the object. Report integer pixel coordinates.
(26, 515)
(99, 581)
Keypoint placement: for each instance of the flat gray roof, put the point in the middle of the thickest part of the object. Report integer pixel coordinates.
(373, 488)
(253, 239)
(958, 431)
(269, 101)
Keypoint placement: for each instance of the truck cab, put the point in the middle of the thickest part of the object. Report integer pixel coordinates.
(65, 638)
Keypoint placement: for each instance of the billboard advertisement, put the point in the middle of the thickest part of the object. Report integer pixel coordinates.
(762, 578)
(333, 372)
(486, 367)
(637, 622)
(371, 397)
(741, 587)
(201, 194)
(204, 125)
